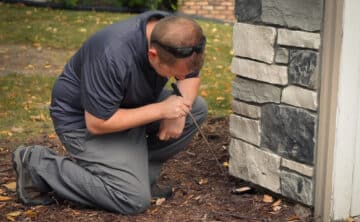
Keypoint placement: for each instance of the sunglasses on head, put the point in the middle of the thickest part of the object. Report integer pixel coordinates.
(183, 52)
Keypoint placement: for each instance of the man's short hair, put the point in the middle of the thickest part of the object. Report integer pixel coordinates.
(174, 37)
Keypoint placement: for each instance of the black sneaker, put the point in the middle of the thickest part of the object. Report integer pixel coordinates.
(161, 191)
(25, 188)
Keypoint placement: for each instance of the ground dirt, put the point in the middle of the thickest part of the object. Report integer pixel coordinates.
(202, 192)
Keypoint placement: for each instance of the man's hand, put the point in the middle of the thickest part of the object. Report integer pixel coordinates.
(171, 128)
(175, 107)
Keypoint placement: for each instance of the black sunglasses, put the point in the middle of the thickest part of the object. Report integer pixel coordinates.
(183, 52)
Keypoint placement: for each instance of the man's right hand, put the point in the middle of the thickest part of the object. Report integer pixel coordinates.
(171, 108)
(175, 107)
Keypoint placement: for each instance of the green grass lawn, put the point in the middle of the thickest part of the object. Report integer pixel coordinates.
(24, 99)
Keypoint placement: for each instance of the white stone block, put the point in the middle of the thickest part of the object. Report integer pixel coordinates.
(264, 169)
(254, 41)
(274, 74)
(282, 56)
(237, 162)
(255, 165)
(300, 97)
(246, 109)
(298, 39)
(246, 129)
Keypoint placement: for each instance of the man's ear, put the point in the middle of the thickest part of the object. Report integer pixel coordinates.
(152, 54)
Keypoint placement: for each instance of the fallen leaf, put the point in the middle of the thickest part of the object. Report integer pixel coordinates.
(226, 164)
(11, 216)
(219, 98)
(37, 45)
(197, 198)
(30, 213)
(10, 186)
(203, 181)
(82, 30)
(204, 93)
(267, 199)
(160, 201)
(276, 203)
(17, 129)
(5, 198)
(2, 205)
(293, 218)
(52, 136)
(241, 189)
(40, 117)
(350, 219)
(276, 208)
(154, 211)
(30, 66)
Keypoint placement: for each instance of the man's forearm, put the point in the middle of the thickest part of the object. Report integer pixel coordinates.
(189, 88)
(123, 119)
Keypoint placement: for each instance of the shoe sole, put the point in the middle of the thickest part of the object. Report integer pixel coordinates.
(17, 165)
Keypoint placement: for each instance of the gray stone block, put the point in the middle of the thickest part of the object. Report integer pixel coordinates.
(247, 10)
(297, 187)
(252, 91)
(296, 14)
(303, 68)
(289, 132)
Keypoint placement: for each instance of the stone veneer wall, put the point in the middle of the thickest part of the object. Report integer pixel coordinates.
(273, 128)
(222, 10)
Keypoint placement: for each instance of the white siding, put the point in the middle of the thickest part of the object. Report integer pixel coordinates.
(346, 172)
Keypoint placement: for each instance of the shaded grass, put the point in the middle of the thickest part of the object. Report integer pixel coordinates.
(24, 105)
(55, 28)
(25, 98)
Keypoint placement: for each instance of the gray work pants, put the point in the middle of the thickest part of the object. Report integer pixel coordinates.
(112, 171)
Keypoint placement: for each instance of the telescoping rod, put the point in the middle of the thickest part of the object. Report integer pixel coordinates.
(178, 93)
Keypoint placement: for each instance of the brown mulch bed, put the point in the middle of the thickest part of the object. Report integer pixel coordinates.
(201, 191)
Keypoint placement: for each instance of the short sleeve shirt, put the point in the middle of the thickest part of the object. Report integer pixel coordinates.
(110, 71)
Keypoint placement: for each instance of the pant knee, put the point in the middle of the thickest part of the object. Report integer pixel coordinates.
(131, 204)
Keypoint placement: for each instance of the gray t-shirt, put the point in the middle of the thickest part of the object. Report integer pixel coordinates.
(109, 71)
